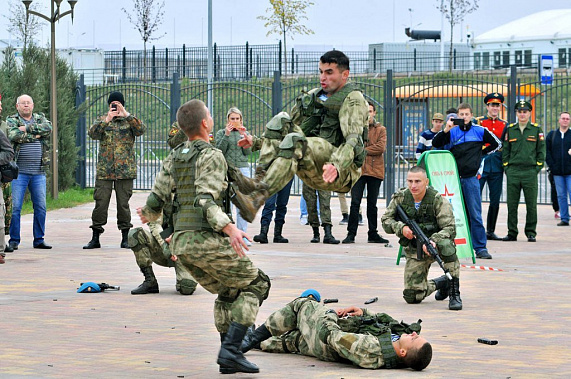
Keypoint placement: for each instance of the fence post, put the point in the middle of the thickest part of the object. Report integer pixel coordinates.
(184, 60)
(124, 66)
(80, 142)
(375, 60)
(391, 135)
(154, 67)
(215, 64)
(292, 61)
(166, 62)
(175, 96)
(280, 57)
(512, 93)
(277, 104)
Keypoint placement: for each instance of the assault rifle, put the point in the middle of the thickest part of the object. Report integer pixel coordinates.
(421, 240)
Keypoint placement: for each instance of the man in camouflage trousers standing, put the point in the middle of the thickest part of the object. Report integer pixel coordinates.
(369, 340)
(321, 142)
(152, 247)
(434, 215)
(205, 240)
(6, 190)
(116, 167)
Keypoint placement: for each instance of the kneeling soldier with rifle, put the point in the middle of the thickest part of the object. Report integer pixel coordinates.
(433, 214)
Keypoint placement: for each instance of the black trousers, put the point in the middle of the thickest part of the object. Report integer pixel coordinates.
(373, 185)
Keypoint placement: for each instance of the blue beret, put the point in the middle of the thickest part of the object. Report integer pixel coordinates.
(89, 287)
(311, 292)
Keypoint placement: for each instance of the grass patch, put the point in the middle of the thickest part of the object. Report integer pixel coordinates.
(66, 199)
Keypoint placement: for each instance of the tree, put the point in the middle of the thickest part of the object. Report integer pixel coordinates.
(147, 17)
(23, 27)
(285, 16)
(455, 11)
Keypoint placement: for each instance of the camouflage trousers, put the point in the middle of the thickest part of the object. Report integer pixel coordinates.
(2, 225)
(7, 195)
(310, 319)
(416, 283)
(310, 195)
(306, 160)
(241, 287)
(147, 251)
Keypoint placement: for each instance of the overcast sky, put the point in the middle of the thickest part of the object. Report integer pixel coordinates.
(342, 24)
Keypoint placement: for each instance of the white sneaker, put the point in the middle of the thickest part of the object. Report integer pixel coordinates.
(248, 243)
(557, 215)
(303, 220)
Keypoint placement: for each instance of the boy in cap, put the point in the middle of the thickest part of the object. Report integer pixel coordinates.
(116, 167)
(523, 157)
(425, 140)
(493, 172)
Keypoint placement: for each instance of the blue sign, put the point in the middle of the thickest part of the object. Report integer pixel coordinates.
(546, 69)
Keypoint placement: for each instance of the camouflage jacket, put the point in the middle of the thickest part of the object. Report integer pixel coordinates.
(116, 158)
(442, 210)
(211, 183)
(176, 136)
(41, 129)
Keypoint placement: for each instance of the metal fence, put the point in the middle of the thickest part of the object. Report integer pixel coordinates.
(404, 104)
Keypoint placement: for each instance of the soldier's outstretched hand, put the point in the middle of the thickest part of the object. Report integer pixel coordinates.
(329, 173)
(144, 220)
(237, 239)
(349, 311)
(246, 142)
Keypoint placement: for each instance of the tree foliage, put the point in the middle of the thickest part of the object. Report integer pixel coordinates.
(32, 76)
(455, 11)
(21, 26)
(146, 18)
(285, 17)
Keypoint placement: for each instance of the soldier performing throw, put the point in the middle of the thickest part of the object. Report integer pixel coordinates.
(205, 240)
(321, 142)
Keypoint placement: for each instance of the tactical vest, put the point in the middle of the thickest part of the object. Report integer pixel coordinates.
(189, 216)
(424, 216)
(330, 129)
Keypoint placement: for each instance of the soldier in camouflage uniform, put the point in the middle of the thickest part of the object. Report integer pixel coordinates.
(205, 240)
(311, 195)
(369, 340)
(29, 133)
(322, 142)
(116, 167)
(434, 215)
(6, 190)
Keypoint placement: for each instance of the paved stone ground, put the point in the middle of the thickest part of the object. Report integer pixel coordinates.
(49, 330)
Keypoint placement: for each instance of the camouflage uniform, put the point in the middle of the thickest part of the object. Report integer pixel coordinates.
(198, 171)
(436, 219)
(116, 168)
(176, 136)
(306, 327)
(6, 190)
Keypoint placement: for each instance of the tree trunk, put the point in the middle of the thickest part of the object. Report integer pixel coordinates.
(451, 47)
(144, 61)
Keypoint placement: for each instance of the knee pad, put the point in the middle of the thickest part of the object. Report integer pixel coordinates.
(410, 296)
(137, 239)
(447, 250)
(260, 286)
(278, 126)
(290, 143)
(186, 287)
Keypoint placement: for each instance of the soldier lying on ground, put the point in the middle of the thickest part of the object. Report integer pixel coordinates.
(368, 340)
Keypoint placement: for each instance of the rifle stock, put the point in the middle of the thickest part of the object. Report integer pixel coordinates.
(422, 239)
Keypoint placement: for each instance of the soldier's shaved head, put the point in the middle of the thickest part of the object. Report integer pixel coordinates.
(417, 169)
(190, 116)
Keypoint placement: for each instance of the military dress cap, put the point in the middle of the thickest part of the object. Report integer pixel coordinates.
(311, 292)
(523, 105)
(116, 96)
(438, 116)
(494, 98)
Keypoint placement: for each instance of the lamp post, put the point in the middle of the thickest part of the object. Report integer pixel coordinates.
(55, 16)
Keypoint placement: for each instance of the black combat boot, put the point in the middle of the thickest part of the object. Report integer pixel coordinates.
(125, 239)
(263, 236)
(150, 285)
(455, 302)
(316, 237)
(493, 212)
(230, 358)
(94, 243)
(278, 238)
(327, 236)
(442, 287)
(254, 337)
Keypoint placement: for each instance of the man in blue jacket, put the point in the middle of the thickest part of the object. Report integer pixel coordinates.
(558, 158)
(467, 143)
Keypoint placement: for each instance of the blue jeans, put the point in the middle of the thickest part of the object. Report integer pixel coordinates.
(240, 222)
(473, 203)
(278, 202)
(36, 184)
(563, 185)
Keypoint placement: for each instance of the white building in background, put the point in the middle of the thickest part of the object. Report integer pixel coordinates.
(89, 62)
(520, 42)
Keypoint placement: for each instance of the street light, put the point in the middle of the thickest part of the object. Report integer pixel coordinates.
(55, 16)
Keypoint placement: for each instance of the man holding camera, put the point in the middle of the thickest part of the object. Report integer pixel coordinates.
(467, 143)
(116, 167)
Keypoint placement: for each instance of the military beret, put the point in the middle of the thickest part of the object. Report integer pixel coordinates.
(311, 292)
(116, 96)
(438, 116)
(89, 287)
(494, 98)
(523, 105)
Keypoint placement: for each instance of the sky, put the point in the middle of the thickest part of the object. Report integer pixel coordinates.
(342, 24)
